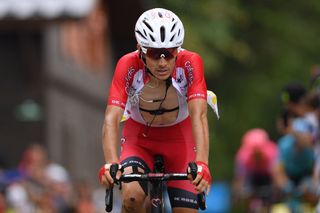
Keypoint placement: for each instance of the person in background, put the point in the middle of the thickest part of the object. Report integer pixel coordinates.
(292, 174)
(42, 186)
(253, 165)
(297, 102)
(313, 117)
(293, 98)
(292, 105)
(84, 198)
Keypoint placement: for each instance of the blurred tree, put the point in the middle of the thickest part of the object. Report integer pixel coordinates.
(250, 50)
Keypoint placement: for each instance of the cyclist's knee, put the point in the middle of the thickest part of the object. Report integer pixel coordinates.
(132, 203)
(133, 197)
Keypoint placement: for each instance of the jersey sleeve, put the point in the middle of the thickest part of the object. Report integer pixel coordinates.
(197, 87)
(122, 79)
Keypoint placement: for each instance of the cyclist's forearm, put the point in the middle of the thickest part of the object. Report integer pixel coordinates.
(109, 143)
(198, 113)
(110, 134)
(202, 141)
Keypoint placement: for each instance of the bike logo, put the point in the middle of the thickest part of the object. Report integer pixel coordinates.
(156, 202)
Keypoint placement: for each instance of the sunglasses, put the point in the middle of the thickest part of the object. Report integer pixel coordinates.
(157, 53)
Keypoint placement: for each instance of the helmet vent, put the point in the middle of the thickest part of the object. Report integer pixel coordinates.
(179, 32)
(141, 34)
(160, 14)
(174, 26)
(146, 23)
(152, 38)
(172, 37)
(162, 32)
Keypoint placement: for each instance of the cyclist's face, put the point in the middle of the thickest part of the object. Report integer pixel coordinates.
(161, 62)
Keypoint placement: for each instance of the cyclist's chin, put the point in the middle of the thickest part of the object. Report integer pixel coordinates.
(163, 75)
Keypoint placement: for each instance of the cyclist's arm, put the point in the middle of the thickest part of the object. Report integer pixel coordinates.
(116, 104)
(198, 113)
(110, 133)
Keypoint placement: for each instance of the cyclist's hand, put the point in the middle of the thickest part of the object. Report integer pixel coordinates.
(105, 177)
(203, 178)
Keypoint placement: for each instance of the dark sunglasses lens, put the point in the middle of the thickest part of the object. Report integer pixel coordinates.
(155, 53)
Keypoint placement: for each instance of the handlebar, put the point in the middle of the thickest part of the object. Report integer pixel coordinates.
(126, 178)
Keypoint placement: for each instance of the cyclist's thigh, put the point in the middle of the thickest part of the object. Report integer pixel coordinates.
(133, 152)
(178, 152)
(134, 158)
(182, 199)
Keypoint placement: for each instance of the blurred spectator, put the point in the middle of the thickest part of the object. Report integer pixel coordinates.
(313, 100)
(60, 187)
(293, 105)
(84, 198)
(43, 186)
(294, 168)
(283, 122)
(253, 164)
(292, 97)
(17, 198)
(312, 114)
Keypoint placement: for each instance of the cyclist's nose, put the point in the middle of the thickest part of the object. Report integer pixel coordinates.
(162, 62)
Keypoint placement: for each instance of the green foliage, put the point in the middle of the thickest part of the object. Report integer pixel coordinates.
(251, 49)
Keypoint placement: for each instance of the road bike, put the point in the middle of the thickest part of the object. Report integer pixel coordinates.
(157, 180)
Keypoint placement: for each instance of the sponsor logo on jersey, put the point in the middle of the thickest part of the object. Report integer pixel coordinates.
(189, 69)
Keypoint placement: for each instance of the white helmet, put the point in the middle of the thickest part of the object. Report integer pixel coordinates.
(159, 28)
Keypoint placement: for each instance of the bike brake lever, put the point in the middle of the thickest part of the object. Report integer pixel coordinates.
(202, 196)
(109, 191)
(193, 170)
(202, 200)
(113, 173)
(109, 199)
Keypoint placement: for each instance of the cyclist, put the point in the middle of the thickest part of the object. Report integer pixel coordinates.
(161, 92)
(253, 166)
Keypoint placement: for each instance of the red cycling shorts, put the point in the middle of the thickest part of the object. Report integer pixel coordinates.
(175, 143)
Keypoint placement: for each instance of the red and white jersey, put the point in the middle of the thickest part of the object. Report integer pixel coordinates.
(130, 77)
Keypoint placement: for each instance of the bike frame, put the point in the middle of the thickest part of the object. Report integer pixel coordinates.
(156, 180)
